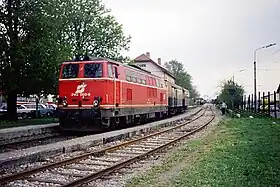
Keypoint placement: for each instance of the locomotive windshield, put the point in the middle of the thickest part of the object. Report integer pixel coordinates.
(70, 71)
(93, 70)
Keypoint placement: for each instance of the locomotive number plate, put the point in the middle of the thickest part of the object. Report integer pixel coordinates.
(80, 94)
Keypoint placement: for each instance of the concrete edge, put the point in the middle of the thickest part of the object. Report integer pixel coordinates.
(28, 134)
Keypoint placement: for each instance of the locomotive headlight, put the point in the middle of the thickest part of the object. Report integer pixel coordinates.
(95, 103)
(97, 100)
(64, 103)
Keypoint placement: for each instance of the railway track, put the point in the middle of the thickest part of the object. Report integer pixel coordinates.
(85, 168)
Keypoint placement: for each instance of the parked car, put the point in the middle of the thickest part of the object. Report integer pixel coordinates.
(3, 108)
(43, 110)
(24, 112)
(29, 110)
(51, 106)
(272, 108)
(3, 111)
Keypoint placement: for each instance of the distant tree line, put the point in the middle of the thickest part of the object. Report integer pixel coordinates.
(37, 35)
(183, 78)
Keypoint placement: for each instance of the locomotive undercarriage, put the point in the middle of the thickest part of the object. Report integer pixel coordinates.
(96, 119)
(79, 119)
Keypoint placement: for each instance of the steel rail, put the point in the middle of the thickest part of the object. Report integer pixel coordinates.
(120, 165)
(22, 174)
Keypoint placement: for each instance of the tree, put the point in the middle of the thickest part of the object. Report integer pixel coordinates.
(231, 93)
(31, 51)
(36, 37)
(183, 78)
(90, 29)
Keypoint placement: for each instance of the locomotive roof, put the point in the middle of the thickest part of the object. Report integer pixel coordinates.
(90, 58)
(100, 59)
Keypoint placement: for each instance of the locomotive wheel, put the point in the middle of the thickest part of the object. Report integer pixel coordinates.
(106, 123)
(115, 123)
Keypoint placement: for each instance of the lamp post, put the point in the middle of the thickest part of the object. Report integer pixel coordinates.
(237, 72)
(255, 72)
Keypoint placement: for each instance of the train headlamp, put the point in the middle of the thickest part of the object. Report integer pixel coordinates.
(97, 100)
(64, 103)
(95, 103)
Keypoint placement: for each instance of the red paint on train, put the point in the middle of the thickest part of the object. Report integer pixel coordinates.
(101, 93)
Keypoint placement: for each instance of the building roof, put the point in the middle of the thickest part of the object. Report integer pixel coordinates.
(145, 58)
(278, 89)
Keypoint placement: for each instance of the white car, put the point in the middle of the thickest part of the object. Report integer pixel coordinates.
(29, 110)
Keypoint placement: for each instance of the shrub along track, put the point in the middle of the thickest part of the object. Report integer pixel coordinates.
(90, 166)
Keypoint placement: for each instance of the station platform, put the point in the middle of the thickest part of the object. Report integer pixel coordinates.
(16, 134)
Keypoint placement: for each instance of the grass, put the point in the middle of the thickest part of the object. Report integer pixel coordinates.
(25, 122)
(239, 152)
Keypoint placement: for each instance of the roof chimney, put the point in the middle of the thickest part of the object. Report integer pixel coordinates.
(148, 54)
(159, 61)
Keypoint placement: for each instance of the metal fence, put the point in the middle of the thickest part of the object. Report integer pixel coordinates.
(267, 103)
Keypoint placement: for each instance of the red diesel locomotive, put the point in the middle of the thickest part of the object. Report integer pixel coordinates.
(99, 93)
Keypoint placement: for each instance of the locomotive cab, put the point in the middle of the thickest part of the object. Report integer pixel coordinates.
(84, 88)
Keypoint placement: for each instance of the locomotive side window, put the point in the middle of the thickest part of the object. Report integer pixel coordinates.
(149, 81)
(70, 71)
(154, 81)
(128, 78)
(134, 79)
(92, 70)
(110, 71)
(116, 72)
(157, 83)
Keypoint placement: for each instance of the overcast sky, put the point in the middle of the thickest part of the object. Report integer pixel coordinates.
(212, 38)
